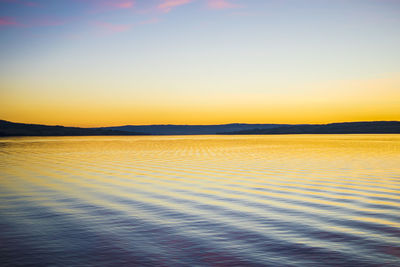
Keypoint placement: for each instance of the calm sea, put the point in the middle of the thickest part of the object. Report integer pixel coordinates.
(293, 200)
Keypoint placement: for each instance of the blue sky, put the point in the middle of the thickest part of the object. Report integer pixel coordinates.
(166, 58)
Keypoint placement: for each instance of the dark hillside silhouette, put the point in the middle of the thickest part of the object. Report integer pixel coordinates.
(378, 127)
(21, 129)
(370, 127)
(191, 129)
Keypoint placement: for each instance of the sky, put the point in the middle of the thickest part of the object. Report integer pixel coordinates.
(116, 62)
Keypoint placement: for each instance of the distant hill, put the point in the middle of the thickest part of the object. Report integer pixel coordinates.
(191, 129)
(21, 129)
(372, 127)
(379, 127)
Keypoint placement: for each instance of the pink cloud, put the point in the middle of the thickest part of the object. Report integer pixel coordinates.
(108, 5)
(30, 4)
(167, 5)
(20, 2)
(114, 4)
(107, 27)
(7, 21)
(124, 4)
(221, 4)
(35, 22)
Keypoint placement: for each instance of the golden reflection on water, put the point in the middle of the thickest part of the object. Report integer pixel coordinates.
(291, 193)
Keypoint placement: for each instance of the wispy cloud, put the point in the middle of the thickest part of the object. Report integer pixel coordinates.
(20, 2)
(30, 4)
(35, 22)
(154, 10)
(107, 28)
(8, 21)
(167, 5)
(221, 4)
(122, 4)
(108, 5)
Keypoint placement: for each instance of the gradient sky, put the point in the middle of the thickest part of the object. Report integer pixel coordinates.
(114, 62)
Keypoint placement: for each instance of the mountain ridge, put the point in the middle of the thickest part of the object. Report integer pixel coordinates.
(361, 127)
(174, 129)
(8, 128)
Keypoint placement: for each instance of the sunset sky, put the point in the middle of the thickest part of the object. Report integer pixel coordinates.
(115, 62)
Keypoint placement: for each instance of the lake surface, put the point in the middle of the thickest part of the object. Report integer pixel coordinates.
(294, 200)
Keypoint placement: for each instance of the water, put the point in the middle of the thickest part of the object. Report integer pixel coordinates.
(300, 200)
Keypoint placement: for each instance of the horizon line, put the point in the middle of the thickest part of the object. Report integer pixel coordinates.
(171, 124)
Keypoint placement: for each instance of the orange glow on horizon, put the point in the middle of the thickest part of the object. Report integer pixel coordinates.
(367, 100)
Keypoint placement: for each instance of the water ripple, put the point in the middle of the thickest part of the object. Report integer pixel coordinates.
(200, 201)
